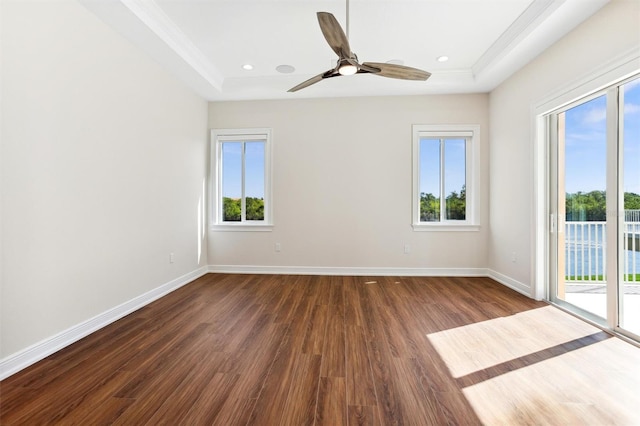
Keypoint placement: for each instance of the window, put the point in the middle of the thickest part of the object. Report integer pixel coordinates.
(445, 177)
(241, 184)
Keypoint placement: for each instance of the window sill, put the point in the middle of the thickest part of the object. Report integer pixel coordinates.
(241, 228)
(440, 227)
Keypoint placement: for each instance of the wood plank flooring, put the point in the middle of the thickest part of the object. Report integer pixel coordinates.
(328, 350)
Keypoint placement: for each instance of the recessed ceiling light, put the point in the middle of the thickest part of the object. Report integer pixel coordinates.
(442, 58)
(285, 69)
(247, 67)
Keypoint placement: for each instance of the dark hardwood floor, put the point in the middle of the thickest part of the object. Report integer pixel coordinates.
(327, 350)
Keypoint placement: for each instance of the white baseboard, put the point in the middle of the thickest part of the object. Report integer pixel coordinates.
(26, 357)
(375, 271)
(349, 271)
(509, 282)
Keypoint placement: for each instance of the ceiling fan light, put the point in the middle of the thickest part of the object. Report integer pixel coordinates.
(347, 69)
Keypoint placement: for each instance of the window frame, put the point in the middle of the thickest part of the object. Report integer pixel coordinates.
(218, 137)
(471, 134)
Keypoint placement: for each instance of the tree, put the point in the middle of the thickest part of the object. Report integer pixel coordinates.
(429, 208)
(592, 206)
(231, 209)
(255, 208)
(456, 206)
(582, 207)
(631, 201)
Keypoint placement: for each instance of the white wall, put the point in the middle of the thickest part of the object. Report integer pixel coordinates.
(613, 31)
(342, 185)
(103, 166)
(104, 163)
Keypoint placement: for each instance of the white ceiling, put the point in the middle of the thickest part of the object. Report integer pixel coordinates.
(206, 42)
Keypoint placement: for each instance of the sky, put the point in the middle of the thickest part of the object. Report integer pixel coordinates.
(585, 135)
(454, 157)
(232, 170)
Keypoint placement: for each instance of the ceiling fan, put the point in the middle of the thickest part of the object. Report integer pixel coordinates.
(348, 61)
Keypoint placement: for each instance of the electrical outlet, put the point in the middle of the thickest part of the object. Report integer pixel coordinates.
(277, 247)
(407, 249)
(170, 257)
(514, 257)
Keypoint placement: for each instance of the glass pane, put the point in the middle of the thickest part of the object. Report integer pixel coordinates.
(582, 183)
(455, 179)
(231, 181)
(254, 180)
(630, 138)
(429, 180)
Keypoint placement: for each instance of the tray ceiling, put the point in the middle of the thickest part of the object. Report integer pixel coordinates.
(206, 43)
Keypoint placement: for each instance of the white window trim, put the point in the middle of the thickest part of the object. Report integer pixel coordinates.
(220, 135)
(472, 131)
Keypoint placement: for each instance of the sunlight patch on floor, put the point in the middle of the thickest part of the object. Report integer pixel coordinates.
(576, 387)
(543, 366)
(481, 345)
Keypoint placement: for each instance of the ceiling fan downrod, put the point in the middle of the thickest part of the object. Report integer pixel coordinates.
(347, 27)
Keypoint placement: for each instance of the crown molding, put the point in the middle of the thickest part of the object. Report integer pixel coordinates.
(151, 15)
(530, 19)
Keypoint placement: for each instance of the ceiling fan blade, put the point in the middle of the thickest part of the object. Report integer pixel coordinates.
(313, 80)
(398, 71)
(364, 68)
(334, 35)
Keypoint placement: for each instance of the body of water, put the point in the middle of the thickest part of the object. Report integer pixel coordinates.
(584, 250)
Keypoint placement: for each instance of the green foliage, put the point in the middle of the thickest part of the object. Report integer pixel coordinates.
(592, 206)
(456, 206)
(600, 278)
(631, 201)
(232, 208)
(255, 208)
(595, 278)
(583, 207)
(429, 208)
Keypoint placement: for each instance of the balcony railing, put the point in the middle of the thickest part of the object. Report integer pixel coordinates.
(632, 215)
(585, 254)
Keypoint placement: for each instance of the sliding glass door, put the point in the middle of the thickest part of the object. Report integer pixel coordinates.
(580, 204)
(595, 207)
(629, 101)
